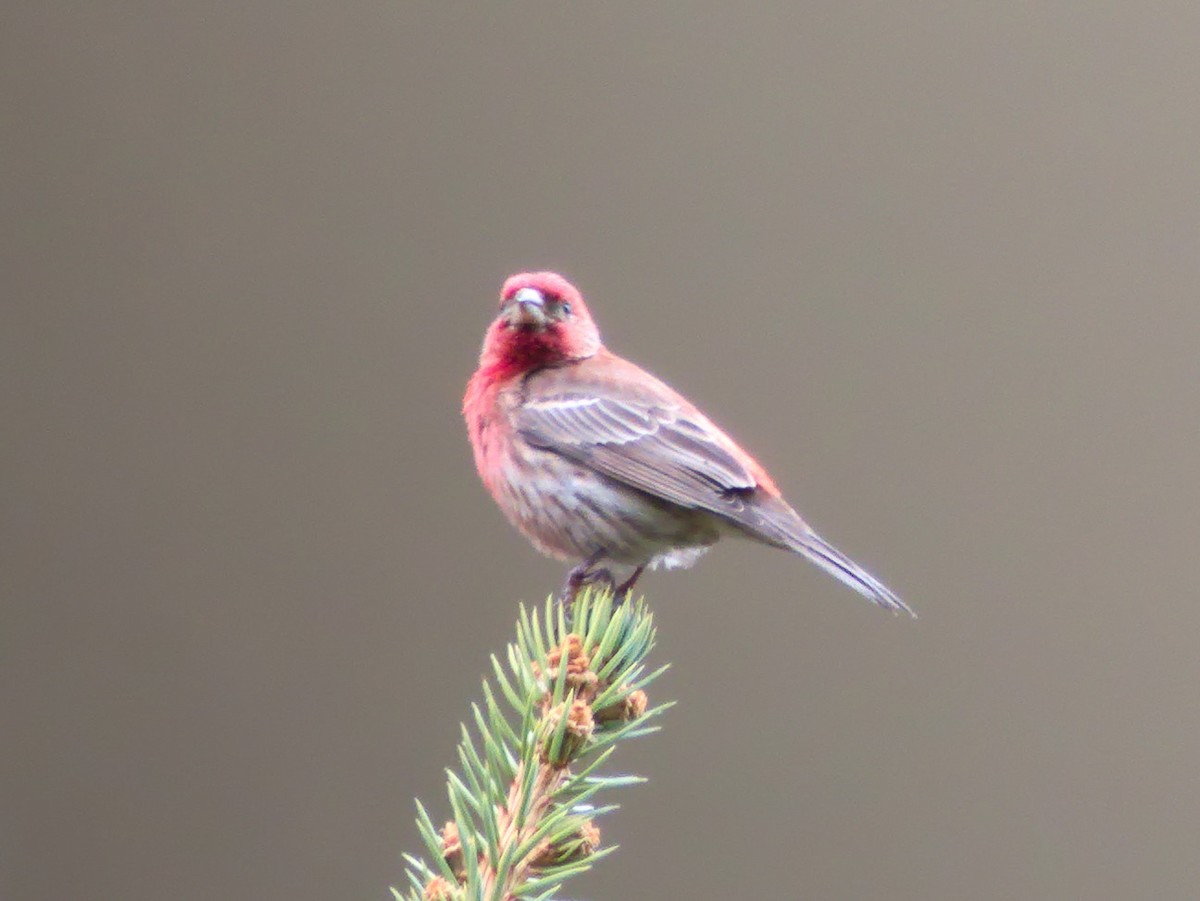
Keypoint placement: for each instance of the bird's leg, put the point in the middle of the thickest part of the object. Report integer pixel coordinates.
(582, 574)
(626, 587)
(603, 577)
(573, 583)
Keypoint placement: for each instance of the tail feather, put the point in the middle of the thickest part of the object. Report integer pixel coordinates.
(773, 521)
(841, 567)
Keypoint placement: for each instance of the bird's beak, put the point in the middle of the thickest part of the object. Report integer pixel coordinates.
(527, 310)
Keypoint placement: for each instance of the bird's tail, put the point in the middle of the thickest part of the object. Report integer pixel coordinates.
(781, 526)
(841, 567)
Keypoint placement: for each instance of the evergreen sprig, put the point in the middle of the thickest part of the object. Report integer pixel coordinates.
(523, 797)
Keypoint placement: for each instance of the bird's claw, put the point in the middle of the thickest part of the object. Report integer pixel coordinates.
(579, 578)
(586, 574)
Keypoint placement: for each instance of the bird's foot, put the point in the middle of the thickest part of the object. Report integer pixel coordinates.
(587, 573)
(577, 581)
(584, 574)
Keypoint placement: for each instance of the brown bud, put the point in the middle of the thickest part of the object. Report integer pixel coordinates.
(589, 838)
(544, 855)
(574, 848)
(635, 704)
(585, 684)
(578, 676)
(579, 720)
(628, 708)
(572, 648)
(452, 848)
(438, 889)
(578, 730)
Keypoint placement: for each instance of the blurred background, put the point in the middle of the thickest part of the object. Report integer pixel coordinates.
(936, 264)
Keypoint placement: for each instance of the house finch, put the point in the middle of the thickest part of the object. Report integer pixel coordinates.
(597, 461)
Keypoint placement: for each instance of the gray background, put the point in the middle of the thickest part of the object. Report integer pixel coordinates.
(937, 264)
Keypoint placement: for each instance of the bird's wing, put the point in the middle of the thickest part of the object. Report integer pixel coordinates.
(606, 413)
(629, 426)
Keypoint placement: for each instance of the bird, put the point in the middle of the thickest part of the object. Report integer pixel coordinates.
(600, 463)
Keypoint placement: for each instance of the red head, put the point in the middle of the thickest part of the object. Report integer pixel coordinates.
(542, 320)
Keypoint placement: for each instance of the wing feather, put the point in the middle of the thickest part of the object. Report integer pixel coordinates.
(641, 434)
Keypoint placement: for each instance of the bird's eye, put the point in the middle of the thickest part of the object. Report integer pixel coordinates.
(566, 308)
